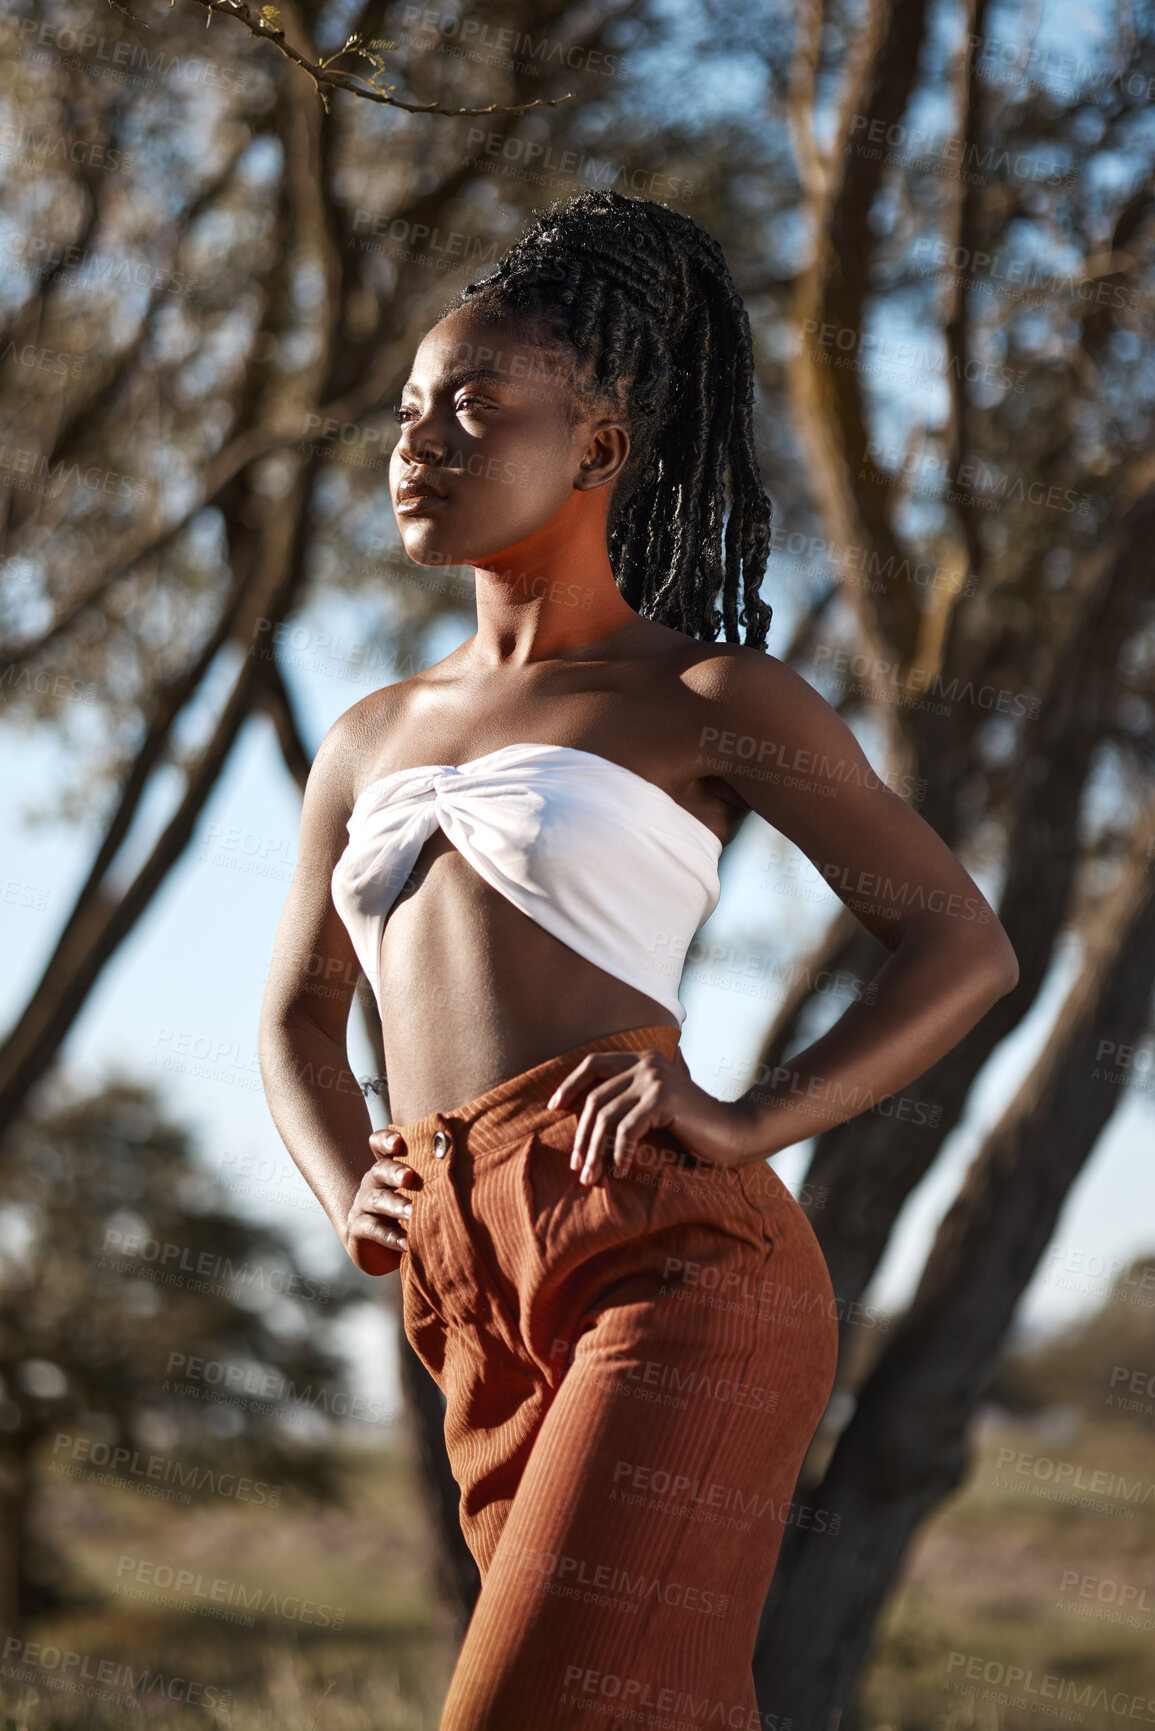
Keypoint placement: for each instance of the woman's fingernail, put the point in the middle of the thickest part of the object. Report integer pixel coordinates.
(408, 1208)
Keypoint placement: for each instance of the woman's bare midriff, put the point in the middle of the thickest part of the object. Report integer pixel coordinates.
(473, 991)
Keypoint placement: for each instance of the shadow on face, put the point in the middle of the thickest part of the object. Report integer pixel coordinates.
(499, 446)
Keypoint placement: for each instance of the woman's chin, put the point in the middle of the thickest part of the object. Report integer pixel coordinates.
(429, 542)
(424, 548)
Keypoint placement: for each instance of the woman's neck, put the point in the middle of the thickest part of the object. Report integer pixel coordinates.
(551, 594)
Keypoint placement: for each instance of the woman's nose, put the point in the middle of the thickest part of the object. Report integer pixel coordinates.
(419, 443)
(423, 449)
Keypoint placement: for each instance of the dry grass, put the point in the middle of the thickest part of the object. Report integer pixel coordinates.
(984, 1580)
(354, 1639)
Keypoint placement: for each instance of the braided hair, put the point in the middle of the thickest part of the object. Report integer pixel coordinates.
(643, 298)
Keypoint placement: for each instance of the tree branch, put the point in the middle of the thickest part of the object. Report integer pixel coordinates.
(870, 1164)
(800, 101)
(272, 696)
(264, 26)
(853, 499)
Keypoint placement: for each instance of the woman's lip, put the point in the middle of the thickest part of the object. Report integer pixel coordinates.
(419, 501)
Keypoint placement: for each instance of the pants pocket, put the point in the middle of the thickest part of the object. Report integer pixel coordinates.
(425, 1328)
(668, 1187)
(565, 1216)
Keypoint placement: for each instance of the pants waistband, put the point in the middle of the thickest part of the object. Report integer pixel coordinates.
(517, 1107)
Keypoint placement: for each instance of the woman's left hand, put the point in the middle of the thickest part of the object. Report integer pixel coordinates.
(630, 1093)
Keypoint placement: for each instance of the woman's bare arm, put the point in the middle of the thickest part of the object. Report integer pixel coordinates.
(315, 1100)
(797, 764)
(950, 957)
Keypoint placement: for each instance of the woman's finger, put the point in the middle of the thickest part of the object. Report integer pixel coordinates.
(593, 1065)
(595, 1100)
(374, 1230)
(386, 1142)
(394, 1174)
(602, 1132)
(385, 1202)
(631, 1128)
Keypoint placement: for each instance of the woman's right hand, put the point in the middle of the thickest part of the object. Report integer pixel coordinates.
(375, 1230)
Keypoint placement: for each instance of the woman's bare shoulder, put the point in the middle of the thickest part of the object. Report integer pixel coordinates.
(719, 671)
(357, 740)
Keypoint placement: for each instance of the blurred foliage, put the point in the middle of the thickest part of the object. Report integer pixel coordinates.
(174, 294)
(1102, 1366)
(117, 1270)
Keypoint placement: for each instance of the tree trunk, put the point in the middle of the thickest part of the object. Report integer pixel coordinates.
(868, 1166)
(905, 1447)
(13, 1500)
(457, 1573)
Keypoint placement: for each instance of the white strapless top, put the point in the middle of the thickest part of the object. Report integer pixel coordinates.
(593, 852)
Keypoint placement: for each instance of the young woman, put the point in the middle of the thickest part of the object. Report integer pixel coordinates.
(626, 1310)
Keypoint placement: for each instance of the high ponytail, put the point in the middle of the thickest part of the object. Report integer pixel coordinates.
(644, 299)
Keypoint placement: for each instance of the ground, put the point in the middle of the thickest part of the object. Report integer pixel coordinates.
(1018, 1605)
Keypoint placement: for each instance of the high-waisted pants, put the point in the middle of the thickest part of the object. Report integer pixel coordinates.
(633, 1373)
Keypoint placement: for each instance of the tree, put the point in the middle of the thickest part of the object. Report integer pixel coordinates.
(949, 314)
(1056, 609)
(137, 1316)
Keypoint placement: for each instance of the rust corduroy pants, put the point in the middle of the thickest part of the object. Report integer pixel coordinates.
(633, 1374)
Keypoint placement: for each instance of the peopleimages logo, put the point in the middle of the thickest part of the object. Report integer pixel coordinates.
(640, 1588)
(678, 1493)
(125, 1463)
(504, 40)
(1098, 1481)
(268, 1385)
(52, 477)
(979, 481)
(207, 1265)
(217, 1590)
(1018, 1681)
(1024, 276)
(673, 1705)
(1107, 1592)
(62, 1668)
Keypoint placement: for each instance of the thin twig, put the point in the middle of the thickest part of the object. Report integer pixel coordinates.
(260, 26)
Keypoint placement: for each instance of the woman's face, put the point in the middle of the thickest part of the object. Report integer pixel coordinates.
(484, 429)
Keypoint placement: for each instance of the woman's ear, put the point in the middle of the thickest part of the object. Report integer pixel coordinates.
(606, 450)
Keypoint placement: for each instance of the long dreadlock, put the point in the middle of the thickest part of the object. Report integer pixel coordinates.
(644, 299)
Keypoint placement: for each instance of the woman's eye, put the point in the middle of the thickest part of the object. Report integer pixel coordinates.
(403, 412)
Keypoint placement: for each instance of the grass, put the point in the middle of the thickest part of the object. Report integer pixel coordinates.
(987, 1629)
(986, 1588)
(346, 1631)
